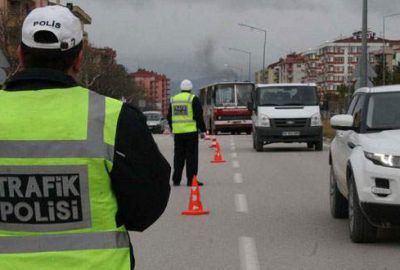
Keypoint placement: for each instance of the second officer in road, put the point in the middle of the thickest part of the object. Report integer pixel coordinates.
(185, 118)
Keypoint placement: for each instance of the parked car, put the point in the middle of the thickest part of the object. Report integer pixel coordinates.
(286, 113)
(155, 121)
(365, 163)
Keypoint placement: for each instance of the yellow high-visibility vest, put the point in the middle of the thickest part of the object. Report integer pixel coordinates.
(57, 208)
(182, 113)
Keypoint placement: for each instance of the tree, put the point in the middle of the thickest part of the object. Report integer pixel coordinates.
(10, 37)
(396, 74)
(378, 80)
(101, 73)
(344, 94)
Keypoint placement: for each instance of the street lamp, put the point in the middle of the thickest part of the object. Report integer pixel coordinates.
(238, 68)
(384, 46)
(265, 44)
(247, 52)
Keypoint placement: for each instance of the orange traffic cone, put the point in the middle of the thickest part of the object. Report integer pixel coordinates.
(195, 206)
(217, 156)
(214, 143)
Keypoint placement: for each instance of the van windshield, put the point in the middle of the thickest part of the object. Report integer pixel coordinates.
(287, 96)
(152, 116)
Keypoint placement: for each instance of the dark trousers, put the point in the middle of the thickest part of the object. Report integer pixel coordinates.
(186, 150)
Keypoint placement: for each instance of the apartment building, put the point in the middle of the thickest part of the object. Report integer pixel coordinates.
(273, 73)
(157, 87)
(290, 69)
(312, 67)
(338, 60)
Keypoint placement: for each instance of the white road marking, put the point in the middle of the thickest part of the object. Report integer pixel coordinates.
(234, 155)
(235, 164)
(248, 254)
(237, 178)
(241, 203)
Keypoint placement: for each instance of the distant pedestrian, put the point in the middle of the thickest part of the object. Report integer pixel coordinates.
(77, 169)
(185, 118)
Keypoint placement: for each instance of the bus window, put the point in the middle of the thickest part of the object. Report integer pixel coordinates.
(202, 96)
(243, 94)
(225, 95)
(209, 95)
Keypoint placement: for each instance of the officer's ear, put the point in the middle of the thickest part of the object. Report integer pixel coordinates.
(20, 56)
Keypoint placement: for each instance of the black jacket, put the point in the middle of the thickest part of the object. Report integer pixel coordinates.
(140, 179)
(197, 114)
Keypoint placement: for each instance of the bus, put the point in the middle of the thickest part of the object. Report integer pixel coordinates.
(225, 107)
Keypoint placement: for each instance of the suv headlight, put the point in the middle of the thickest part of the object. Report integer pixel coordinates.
(316, 120)
(263, 121)
(383, 160)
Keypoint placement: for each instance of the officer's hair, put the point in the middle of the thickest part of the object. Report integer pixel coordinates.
(50, 58)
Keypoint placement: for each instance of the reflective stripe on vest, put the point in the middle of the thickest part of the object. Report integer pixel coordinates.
(182, 113)
(93, 147)
(64, 242)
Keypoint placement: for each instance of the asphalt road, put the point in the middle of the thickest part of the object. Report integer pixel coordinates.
(268, 210)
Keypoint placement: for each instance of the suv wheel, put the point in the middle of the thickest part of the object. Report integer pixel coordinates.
(338, 203)
(310, 145)
(361, 231)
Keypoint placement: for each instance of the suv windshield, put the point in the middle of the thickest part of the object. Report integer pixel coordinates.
(287, 95)
(153, 116)
(383, 111)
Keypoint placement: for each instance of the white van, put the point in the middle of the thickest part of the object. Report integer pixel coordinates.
(286, 113)
(154, 121)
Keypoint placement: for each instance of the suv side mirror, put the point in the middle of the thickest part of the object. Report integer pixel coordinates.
(342, 122)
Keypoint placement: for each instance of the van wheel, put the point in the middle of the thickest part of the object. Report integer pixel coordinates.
(319, 146)
(361, 231)
(258, 143)
(338, 203)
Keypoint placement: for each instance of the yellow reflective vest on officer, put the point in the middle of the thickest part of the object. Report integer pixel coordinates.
(182, 113)
(57, 209)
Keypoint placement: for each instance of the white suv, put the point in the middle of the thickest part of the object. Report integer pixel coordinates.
(365, 163)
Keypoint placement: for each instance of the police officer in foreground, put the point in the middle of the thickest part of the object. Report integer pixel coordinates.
(185, 118)
(77, 169)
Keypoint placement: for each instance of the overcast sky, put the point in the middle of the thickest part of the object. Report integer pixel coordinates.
(190, 38)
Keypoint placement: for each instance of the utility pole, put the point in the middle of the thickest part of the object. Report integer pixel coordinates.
(265, 45)
(364, 51)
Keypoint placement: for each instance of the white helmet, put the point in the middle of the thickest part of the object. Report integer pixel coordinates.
(186, 85)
